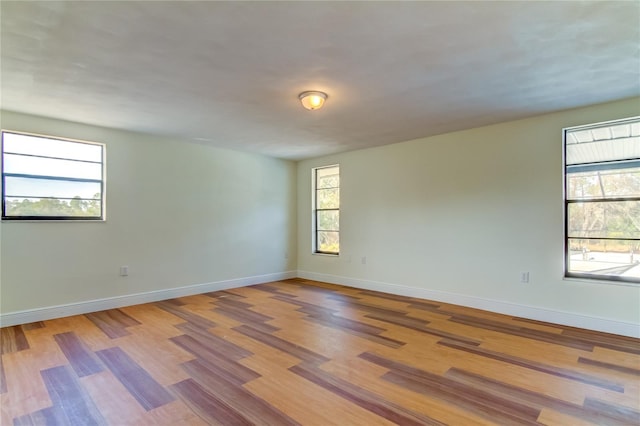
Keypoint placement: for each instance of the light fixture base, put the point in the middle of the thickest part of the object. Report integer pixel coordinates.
(312, 99)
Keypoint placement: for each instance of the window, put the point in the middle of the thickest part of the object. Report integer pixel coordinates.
(602, 201)
(326, 210)
(46, 178)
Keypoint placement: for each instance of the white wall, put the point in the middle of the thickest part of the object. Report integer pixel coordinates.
(454, 217)
(457, 217)
(178, 214)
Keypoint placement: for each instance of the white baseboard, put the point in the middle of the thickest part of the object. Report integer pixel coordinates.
(524, 311)
(507, 308)
(51, 312)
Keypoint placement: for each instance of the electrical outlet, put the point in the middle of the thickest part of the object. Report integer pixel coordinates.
(364, 260)
(524, 277)
(124, 271)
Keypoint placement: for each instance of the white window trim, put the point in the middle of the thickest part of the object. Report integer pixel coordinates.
(585, 278)
(48, 219)
(313, 212)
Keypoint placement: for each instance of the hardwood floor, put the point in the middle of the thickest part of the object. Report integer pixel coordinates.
(303, 352)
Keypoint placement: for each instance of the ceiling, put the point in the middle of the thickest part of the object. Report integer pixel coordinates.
(229, 73)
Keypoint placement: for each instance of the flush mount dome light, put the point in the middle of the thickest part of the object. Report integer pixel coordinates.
(312, 100)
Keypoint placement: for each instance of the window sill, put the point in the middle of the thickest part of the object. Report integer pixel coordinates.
(597, 281)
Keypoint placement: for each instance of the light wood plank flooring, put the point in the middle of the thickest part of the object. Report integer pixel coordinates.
(302, 352)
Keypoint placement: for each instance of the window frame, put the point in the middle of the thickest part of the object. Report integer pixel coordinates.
(315, 210)
(62, 218)
(594, 165)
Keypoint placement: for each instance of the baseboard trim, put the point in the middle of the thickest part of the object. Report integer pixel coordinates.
(524, 311)
(59, 311)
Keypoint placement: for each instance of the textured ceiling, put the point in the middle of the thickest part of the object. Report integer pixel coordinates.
(228, 73)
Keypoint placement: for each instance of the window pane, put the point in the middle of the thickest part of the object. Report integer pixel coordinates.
(607, 219)
(328, 198)
(38, 145)
(328, 242)
(609, 142)
(328, 177)
(608, 150)
(36, 188)
(604, 184)
(605, 257)
(328, 220)
(50, 167)
(52, 207)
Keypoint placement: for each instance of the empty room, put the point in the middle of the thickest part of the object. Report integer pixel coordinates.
(320, 213)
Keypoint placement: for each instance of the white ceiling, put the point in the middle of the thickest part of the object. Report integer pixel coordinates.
(228, 73)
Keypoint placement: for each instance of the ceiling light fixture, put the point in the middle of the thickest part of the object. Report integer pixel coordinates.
(312, 100)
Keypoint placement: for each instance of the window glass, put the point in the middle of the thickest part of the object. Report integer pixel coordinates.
(51, 178)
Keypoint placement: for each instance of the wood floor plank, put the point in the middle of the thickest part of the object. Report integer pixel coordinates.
(618, 343)
(71, 404)
(232, 371)
(325, 341)
(33, 325)
(234, 303)
(361, 397)
(3, 379)
(524, 332)
(83, 361)
(497, 409)
(405, 299)
(92, 336)
(623, 414)
(12, 339)
(174, 413)
(26, 390)
(42, 417)
(305, 352)
(245, 316)
(234, 395)
(319, 407)
(281, 344)
(306, 307)
(112, 322)
(446, 358)
(117, 405)
(149, 393)
(166, 355)
(472, 398)
(421, 326)
(207, 406)
(366, 375)
(549, 416)
(355, 328)
(207, 337)
(548, 369)
(371, 308)
(614, 357)
(535, 399)
(610, 366)
(273, 290)
(185, 314)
